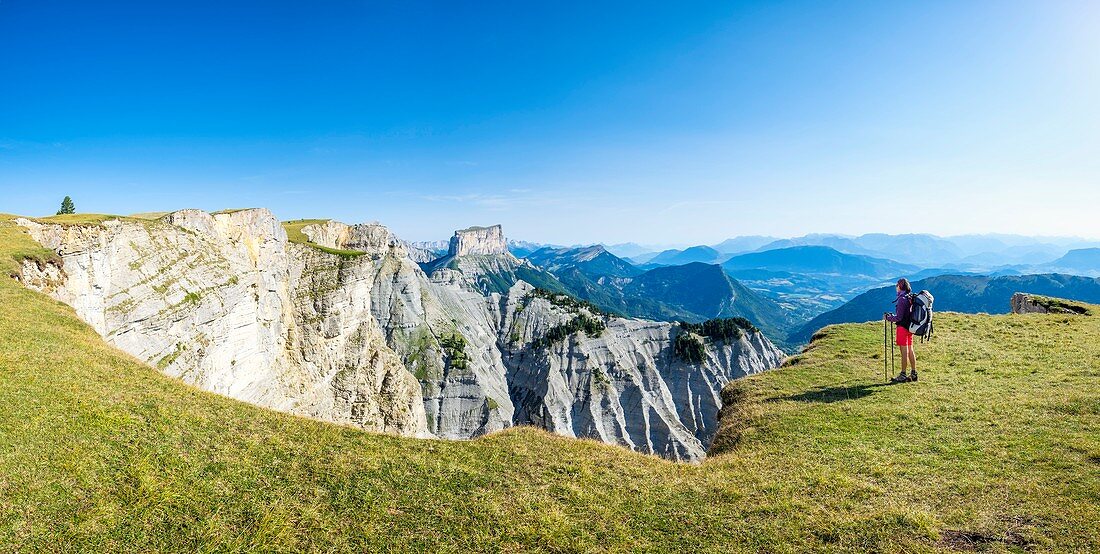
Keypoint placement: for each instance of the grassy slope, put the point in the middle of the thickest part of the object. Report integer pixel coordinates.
(98, 452)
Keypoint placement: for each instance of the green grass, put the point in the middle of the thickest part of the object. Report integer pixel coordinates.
(294, 234)
(78, 219)
(1000, 440)
(96, 219)
(149, 215)
(16, 245)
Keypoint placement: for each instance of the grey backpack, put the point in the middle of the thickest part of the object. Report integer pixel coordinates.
(920, 314)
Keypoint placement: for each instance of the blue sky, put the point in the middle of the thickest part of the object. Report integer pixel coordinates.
(566, 122)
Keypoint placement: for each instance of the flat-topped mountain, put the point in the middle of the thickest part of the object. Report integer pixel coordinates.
(1082, 260)
(486, 241)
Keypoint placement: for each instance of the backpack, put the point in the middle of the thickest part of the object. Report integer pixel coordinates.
(920, 314)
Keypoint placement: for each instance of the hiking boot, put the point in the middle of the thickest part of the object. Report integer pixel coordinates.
(913, 376)
(901, 378)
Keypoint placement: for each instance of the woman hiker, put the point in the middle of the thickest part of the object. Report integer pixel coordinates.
(900, 317)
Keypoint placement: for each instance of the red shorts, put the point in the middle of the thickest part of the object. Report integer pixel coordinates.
(904, 337)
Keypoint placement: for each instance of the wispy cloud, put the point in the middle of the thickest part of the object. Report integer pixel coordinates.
(697, 205)
(512, 199)
(17, 144)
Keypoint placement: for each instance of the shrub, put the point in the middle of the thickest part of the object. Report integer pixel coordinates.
(720, 328)
(689, 348)
(454, 345)
(563, 301)
(592, 327)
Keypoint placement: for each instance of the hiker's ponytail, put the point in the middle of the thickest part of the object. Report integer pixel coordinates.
(904, 285)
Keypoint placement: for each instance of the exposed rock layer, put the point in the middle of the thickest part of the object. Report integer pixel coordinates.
(225, 302)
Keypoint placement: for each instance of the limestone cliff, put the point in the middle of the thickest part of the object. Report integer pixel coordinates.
(361, 334)
(226, 303)
(623, 385)
(479, 240)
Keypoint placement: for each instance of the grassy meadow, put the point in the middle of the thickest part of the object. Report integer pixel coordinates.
(997, 449)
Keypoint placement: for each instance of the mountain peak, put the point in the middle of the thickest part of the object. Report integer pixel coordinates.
(478, 240)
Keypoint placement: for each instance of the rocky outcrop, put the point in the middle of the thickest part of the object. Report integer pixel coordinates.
(371, 238)
(1023, 303)
(223, 302)
(486, 241)
(361, 334)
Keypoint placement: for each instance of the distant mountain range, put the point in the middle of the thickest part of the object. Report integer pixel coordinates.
(789, 287)
(958, 293)
(964, 252)
(818, 260)
(1083, 260)
(690, 292)
(704, 254)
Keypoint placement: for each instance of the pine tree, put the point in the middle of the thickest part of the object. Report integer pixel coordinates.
(67, 207)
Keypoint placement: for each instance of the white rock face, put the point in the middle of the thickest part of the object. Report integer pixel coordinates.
(624, 387)
(225, 302)
(373, 238)
(479, 240)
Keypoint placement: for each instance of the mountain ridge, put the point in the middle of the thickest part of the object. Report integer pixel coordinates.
(959, 293)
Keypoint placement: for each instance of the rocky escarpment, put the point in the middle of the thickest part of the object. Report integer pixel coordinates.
(226, 303)
(358, 332)
(478, 240)
(619, 379)
(371, 238)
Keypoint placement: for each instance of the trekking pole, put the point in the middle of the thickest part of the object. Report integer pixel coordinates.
(885, 341)
(891, 353)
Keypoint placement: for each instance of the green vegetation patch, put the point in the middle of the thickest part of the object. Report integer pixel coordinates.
(724, 328)
(78, 219)
(171, 357)
(689, 347)
(454, 346)
(149, 216)
(562, 300)
(17, 245)
(591, 327)
(688, 344)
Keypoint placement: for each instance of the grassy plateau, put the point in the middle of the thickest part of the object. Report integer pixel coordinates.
(997, 448)
(294, 234)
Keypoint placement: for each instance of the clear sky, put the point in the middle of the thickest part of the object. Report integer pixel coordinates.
(566, 122)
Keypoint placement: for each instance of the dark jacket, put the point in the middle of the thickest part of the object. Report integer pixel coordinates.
(901, 314)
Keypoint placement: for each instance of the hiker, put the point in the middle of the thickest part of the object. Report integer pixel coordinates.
(904, 338)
